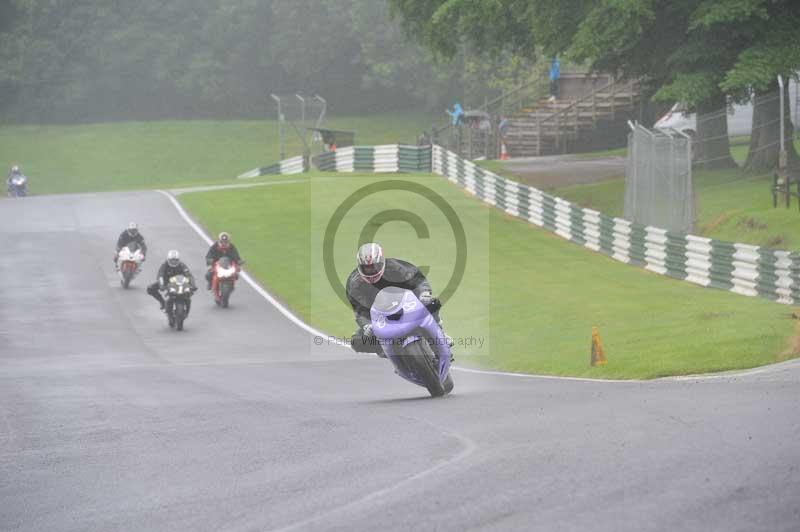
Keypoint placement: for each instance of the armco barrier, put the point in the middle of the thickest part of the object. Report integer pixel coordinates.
(295, 165)
(740, 268)
(391, 158)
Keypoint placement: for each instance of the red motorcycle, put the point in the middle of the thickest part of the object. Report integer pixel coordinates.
(224, 274)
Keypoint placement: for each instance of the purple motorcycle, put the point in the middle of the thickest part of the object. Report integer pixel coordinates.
(413, 341)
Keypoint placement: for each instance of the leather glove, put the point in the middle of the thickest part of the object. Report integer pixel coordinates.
(367, 329)
(426, 297)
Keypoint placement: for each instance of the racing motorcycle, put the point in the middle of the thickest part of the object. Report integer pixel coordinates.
(224, 274)
(179, 294)
(18, 186)
(129, 263)
(410, 338)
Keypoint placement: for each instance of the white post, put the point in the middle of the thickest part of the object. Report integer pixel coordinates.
(324, 109)
(782, 156)
(302, 109)
(280, 126)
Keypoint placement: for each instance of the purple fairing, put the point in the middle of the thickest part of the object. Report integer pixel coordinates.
(396, 329)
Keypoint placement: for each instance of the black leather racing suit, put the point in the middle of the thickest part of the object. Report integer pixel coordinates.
(165, 272)
(125, 238)
(215, 253)
(399, 273)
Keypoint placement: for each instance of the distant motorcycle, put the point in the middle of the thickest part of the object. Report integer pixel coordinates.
(18, 186)
(224, 274)
(411, 339)
(129, 263)
(178, 301)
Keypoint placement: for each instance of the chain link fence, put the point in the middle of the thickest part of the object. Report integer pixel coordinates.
(740, 127)
(658, 179)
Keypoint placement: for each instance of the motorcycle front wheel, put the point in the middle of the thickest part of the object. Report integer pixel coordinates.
(225, 289)
(180, 314)
(422, 360)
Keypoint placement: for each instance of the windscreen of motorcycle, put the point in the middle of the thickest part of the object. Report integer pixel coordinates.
(177, 283)
(389, 300)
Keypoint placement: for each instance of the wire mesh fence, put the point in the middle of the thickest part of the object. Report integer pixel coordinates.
(658, 179)
(757, 119)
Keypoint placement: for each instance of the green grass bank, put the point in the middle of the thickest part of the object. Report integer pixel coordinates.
(530, 295)
(130, 155)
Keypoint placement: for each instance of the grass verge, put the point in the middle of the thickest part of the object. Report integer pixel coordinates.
(130, 155)
(533, 296)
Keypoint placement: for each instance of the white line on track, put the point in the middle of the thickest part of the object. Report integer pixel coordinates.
(209, 188)
(258, 288)
(308, 328)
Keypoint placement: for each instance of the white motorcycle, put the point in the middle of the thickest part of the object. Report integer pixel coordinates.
(129, 263)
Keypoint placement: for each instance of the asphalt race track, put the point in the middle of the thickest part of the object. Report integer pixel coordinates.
(111, 421)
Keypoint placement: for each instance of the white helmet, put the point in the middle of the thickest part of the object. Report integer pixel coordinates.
(15, 169)
(371, 263)
(173, 257)
(224, 241)
(133, 229)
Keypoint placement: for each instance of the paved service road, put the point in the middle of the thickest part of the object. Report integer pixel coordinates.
(555, 171)
(110, 421)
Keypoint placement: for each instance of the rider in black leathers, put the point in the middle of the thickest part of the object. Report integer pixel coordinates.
(15, 172)
(400, 273)
(373, 274)
(171, 267)
(223, 247)
(131, 234)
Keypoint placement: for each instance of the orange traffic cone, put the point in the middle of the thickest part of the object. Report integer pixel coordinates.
(598, 356)
(503, 151)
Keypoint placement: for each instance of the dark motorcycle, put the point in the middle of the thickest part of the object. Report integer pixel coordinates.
(18, 186)
(179, 294)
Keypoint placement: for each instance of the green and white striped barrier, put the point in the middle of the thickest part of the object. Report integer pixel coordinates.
(740, 268)
(391, 158)
(295, 165)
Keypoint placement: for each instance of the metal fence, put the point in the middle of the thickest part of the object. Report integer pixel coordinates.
(740, 128)
(658, 179)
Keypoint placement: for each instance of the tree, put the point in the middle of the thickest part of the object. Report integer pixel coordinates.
(774, 50)
(683, 51)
